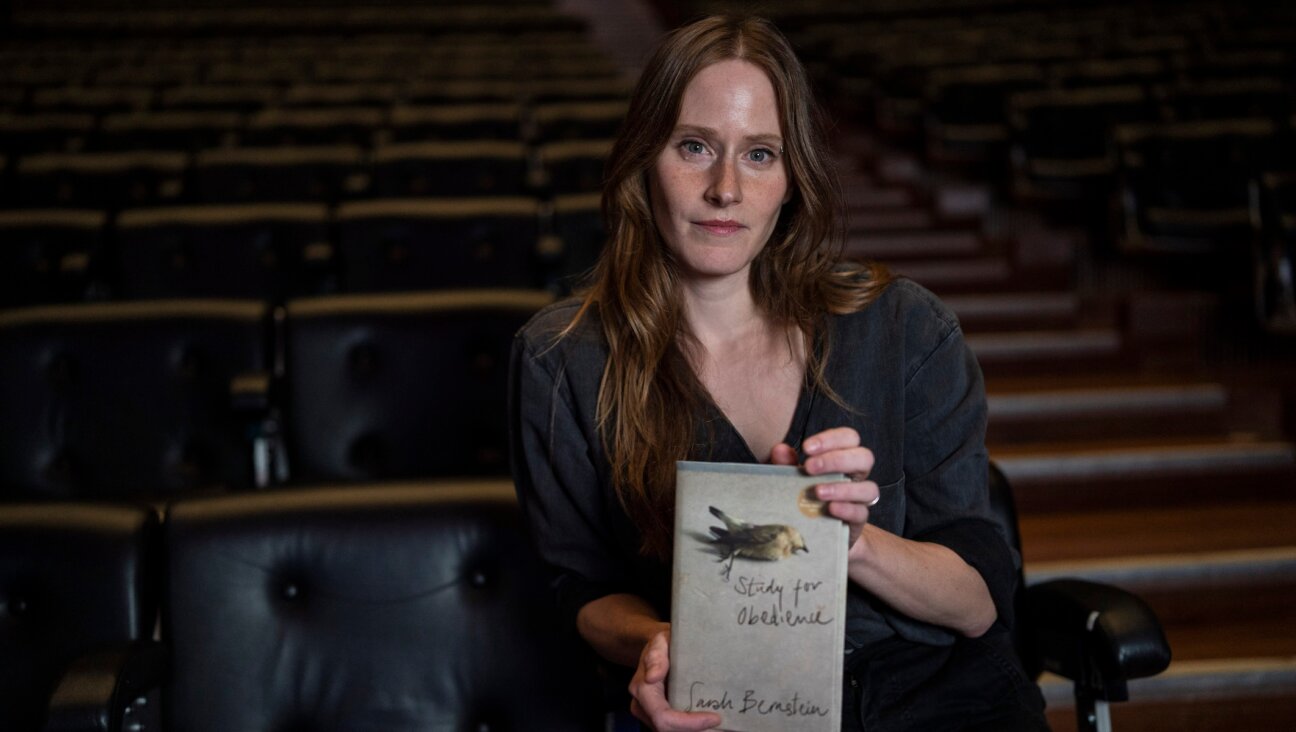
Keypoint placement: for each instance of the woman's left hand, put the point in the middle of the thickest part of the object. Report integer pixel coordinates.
(837, 450)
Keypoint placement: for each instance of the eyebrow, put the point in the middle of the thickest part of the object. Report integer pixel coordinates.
(701, 131)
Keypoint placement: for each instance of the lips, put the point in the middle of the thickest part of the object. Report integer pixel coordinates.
(719, 227)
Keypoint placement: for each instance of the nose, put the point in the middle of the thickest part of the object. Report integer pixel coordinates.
(725, 189)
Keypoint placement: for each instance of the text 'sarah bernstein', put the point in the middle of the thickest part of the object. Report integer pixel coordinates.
(758, 604)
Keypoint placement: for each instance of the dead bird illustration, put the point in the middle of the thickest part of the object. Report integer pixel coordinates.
(766, 542)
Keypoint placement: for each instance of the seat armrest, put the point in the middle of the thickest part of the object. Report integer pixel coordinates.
(252, 396)
(250, 393)
(110, 691)
(1097, 635)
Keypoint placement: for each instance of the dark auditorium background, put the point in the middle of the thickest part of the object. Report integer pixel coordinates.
(261, 265)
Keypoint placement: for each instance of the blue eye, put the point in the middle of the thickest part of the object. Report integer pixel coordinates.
(761, 155)
(693, 147)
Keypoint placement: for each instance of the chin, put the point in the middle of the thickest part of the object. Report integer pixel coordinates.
(714, 270)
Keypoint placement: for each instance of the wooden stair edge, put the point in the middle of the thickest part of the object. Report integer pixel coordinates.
(1132, 461)
(1072, 402)
(1196, 679)
(1273, 564)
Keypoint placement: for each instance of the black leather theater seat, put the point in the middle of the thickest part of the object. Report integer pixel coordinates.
(77, 584)
(126, 399)
(250, 251)
(378, 608)
(404, 244)
(401, 386)
(49, 255)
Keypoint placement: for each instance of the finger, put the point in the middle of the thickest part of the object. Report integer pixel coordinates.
(649, 705)
(854, 461)
(783, 454)
(865, 492)
(656, 659)
(851, 513)
(685, 721)
(836, 438)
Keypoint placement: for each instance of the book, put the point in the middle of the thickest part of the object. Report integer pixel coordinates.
(758, 598)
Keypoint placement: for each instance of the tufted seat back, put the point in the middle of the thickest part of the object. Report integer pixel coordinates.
(49, 255)
(402, 244)
(75, 579)
(402, 386)
(247, 251)
(389, 608)
(125, 399)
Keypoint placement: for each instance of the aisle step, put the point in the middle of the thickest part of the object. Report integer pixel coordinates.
(1228, 619)
(1015, 310)
(1053, 478)
(865, 222)
(1048, 351)
(963, 201)
(983, 274)
(1114, 533)
(861, 244)
(1212, 605)
(1132, 411)
(1160, 571)
(868, 197)
(1204, 696)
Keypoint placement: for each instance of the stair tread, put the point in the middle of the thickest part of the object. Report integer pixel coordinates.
(1108, 401)
(1067, 343)
(1270, 564)
(1021, 304)
(1171, 530)
(1196, 678)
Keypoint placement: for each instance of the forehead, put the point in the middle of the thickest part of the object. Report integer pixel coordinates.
(731, 92)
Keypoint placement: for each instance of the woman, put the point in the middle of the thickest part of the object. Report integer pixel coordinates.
(720, 325)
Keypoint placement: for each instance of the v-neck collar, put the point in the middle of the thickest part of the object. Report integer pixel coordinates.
(733, 447)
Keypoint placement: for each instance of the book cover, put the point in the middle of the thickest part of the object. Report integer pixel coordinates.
(758, 600)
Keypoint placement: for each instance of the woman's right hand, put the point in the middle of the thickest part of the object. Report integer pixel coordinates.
(648, 692)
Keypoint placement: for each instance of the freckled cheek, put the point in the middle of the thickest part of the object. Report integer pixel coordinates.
(680, 193)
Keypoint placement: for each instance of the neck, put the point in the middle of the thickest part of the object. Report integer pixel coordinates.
(721, 310)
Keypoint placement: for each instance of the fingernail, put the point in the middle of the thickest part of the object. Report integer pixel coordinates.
(812, 445)
(826, 492)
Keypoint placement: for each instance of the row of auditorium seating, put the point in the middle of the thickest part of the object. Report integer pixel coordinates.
(386, 606)
(1156, 139)
(250, 96)
(272, 251)
(392, 607)
(378, 607)
(150, 66)
(1170, 120)
(166, 398)
(158, 74)
(306, 172)
(459, 18)
(196, 130)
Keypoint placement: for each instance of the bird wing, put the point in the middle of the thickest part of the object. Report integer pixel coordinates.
(730, 522)
(765, 533)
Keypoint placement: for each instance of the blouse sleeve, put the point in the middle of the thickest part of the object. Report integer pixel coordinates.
(557, 484)
(946, 467)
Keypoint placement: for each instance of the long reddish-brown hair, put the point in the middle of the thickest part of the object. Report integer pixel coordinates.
(650, 399)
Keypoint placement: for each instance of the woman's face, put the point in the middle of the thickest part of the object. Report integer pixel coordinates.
(717, 186)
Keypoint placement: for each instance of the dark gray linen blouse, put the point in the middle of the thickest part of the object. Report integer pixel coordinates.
(916, 398)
